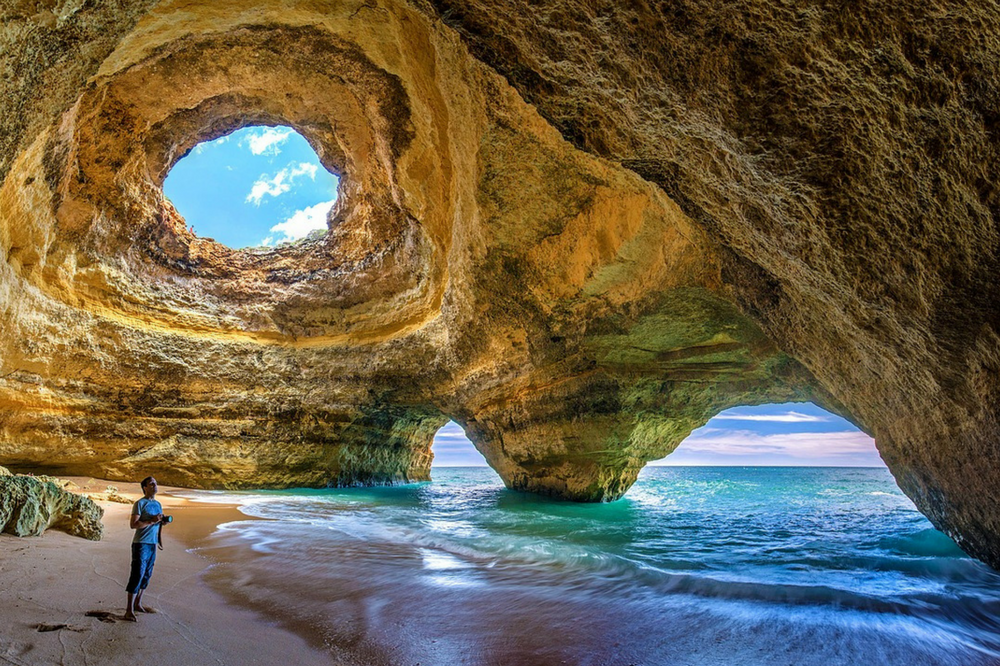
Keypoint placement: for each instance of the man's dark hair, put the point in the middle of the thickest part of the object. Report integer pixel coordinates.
(145, 482)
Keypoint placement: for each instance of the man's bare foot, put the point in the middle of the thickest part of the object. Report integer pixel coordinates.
(130, 617)
(144, 609)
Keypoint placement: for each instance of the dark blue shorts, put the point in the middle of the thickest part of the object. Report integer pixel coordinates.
(143, 558)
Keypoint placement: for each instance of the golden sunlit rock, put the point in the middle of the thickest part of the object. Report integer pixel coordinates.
(579, 230)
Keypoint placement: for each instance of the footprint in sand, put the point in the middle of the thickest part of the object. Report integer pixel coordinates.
(43, 627)
(104, 616)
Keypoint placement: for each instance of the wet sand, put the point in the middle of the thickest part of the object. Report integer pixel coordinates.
(51, 582)
(464, 572)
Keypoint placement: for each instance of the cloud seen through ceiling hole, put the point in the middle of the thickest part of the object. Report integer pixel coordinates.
(256, 183)
(280, 183)
(266, 141)
(300, 224)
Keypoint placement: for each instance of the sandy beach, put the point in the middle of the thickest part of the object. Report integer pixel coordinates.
(464, 571)
(48, 584)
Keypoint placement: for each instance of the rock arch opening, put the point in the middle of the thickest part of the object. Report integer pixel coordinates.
(793, 434)
(257, 187)
(452, 448)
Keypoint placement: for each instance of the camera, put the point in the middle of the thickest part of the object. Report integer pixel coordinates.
(163, 519)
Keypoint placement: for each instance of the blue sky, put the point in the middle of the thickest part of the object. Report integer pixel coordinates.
(259, 186)
(794, 434)
(782, 434)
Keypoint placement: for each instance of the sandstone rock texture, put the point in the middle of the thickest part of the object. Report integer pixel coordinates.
(29, 506)
(580, 229)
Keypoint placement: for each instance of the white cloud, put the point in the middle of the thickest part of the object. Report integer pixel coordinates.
(453, 449)
(301, 223)
(280, 183)
(796, 444)
(450, 429)
(216, 142)
(304, 168)
(451, 437)
(267, 141)
(719, 446)
(787, 417)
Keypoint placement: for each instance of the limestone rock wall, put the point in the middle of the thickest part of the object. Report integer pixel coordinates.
(579, 229)
(844, 162)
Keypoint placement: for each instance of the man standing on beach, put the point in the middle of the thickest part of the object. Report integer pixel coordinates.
(146, 516)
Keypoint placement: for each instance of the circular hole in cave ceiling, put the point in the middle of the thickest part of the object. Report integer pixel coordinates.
(259, 186)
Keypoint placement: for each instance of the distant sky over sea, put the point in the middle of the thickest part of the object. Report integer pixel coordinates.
(789, 434)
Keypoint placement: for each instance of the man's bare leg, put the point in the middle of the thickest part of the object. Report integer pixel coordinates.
(138, 607)
(129, 613)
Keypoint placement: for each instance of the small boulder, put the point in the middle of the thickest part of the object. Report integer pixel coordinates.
(29, 506)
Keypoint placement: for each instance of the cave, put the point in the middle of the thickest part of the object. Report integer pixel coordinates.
(579, 260)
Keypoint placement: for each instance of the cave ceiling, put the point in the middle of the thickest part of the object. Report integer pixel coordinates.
(579, 229)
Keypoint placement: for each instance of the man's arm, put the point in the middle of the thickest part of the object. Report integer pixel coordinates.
(136, 524)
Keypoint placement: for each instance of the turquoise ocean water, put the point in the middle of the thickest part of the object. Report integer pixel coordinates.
(695, 565)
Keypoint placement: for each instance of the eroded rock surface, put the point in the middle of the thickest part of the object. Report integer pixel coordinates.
(29, 506)
(578, 229)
